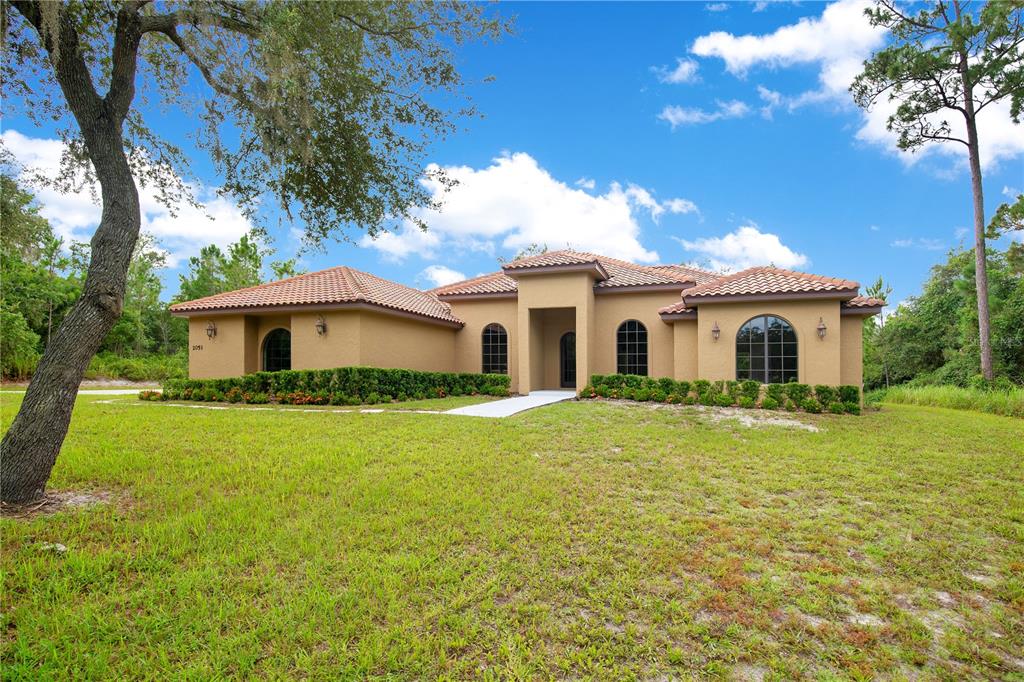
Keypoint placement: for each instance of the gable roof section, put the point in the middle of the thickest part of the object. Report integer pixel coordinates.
(773, 282)
(335, 286)
(613, 274)
(863, 305)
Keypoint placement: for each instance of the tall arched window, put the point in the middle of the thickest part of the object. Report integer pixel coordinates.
(631, 348)
(277, 350)
(495, 349)
(766, 350)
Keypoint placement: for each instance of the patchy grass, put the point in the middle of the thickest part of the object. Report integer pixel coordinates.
(579, 540)
(1009, 403)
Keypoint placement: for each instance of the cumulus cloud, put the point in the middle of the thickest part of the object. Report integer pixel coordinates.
(678, 116)
(716, 6)
(919, 243)
(837, 42)
(514, 202)
(744, 248)
(586, 183)
(75, 216)
(685, 71)
(439, 275)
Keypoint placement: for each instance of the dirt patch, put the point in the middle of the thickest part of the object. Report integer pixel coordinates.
(717, 415)
(54, 501)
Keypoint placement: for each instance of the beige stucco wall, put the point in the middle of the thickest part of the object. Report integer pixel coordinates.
(225, 355)
(852, 355)
(339, 347)
(390, 341)
(554, 290)
(684, 339)
(477, 314)
(614, 309)
(819, 359)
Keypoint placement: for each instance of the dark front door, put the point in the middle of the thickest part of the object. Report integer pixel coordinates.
(567, 352)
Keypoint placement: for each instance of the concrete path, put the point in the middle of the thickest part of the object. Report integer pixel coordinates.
(511, 406)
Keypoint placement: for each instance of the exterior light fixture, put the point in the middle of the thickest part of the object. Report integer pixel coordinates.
(821, 328)
(211, 330)
(715, 331)
(321, 325)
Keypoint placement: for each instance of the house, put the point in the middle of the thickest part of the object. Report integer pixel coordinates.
(549, 321)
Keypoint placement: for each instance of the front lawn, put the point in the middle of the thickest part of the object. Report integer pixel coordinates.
(585, 539)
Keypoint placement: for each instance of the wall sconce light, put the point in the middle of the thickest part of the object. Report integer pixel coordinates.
(211, 330)
(715, 331)
(321, 325)
(821, 328)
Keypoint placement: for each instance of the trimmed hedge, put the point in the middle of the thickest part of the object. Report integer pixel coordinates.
(749, 394)
(340, 386)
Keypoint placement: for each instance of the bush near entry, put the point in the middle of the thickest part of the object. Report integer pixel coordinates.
(340, 386)
(748, 394)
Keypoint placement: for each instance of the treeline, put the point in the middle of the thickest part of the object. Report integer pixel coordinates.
(41, 277)
(932, 339)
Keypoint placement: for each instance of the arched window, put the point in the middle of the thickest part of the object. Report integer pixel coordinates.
(766, 350)
(631, 348)
(277, 350)
(495, 349)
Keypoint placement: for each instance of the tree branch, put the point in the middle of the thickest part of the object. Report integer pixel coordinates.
(161, 23)
(125, 61)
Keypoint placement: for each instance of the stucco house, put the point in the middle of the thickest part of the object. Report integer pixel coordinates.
(549, 321)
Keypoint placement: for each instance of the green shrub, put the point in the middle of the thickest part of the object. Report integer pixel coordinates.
(849, 394)
(1008, 403)
(825, 394)
(776, 392)
(747, 402)
(836, 408)
(790, 405)
(700, 386)
(724, 400)
(797, 392)
(769, 403)
(706, 398)
(666, 385)
(852, 408)
(657, 395)
(689, 400)
(602, 391)
(751, 389)
(682, 388)
(811, 405)
(151, 395)
(642, 395)
(673, 399)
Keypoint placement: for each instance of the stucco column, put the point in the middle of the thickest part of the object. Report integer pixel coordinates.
(525, 341)
(584, 339)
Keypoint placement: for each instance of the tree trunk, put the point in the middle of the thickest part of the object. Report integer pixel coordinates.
(31, 445)
(980, 257)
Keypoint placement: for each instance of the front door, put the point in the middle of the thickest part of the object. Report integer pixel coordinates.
(567, 353)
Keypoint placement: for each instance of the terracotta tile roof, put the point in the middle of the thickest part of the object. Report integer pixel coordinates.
(693, 274)
(494, 283)
(675, 309)
(552, 258)
(769, 280)
(334, 285)
(864, 302)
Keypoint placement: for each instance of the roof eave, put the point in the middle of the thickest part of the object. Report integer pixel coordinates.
(862, 311)
(594, 267)
(633, 288)
(319, 307)
(777, 296)
(672, 317)
(477, 296)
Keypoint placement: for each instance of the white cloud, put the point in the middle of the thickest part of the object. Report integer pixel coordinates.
(1010, 192)
(586, 183)
(685, 72)
(439, 275)
(875, 228)
(677, 116)
(680, 206)
(919, 243)
(837, 42)
(75, 216)
(771, 99)
(514, 202)
(744, 248)
(760, 5)
(716, 6)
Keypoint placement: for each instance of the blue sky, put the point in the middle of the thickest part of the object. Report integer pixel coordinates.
(653, 132)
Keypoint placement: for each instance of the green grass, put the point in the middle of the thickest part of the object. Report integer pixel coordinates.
(1009, 403)
(591, 540)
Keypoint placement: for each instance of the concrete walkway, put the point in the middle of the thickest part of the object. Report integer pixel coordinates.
(511, 406)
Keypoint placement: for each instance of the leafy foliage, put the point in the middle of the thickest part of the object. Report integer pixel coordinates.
(933, 338)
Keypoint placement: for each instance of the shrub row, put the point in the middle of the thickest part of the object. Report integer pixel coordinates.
(340, 386)
(749, 394)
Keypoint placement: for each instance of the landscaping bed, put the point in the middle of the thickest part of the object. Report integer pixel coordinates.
(792, 397)
(340, 386)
